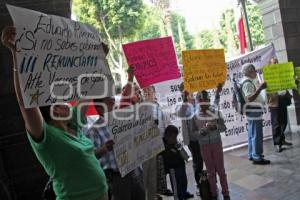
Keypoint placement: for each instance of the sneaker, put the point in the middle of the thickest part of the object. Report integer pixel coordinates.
(188, 195)
(287, 143)
(261, 162)
(226, 197)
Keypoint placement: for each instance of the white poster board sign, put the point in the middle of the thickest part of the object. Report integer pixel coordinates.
(136, 137)
(169, 97)
(58, 59)
(236, 124)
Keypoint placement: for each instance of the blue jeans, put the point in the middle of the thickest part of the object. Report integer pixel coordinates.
(255, 136)
(179, 182)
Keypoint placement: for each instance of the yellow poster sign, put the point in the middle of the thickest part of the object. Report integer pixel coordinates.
(279, 77)
(203, 69)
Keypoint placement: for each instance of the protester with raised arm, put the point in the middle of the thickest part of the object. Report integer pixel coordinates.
(208, 123)
(67, 156)
(131, 93)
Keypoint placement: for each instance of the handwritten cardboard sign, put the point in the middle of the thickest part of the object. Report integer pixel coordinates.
(154, 60)
(58, 60)
(203, 69)
(136, 137)
(279, 77)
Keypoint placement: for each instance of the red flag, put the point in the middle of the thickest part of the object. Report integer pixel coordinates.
(91, 110)
(242, 35)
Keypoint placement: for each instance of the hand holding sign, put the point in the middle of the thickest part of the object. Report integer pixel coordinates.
(130, 73)
(105, 48)
(109, 145)
(8, 37)
(262, 86)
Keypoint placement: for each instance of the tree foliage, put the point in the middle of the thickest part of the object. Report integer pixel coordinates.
(117, 17)
(256, 25)
(125, 21)
(205, 39)
(152, 26)
(117, 21)
(224, 37)
(176, 22)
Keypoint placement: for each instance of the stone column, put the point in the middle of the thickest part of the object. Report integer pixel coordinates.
(281, 20)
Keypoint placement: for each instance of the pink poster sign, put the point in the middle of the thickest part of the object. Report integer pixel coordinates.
(153, 60)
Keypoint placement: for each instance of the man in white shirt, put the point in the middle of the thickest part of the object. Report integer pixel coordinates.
(252, 90)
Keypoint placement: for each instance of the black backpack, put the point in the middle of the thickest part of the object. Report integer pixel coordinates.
(238, 101)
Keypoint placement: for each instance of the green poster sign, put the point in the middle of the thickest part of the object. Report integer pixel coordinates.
(279, 77)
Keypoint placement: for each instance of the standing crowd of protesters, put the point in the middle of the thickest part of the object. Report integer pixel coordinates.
(83, 166)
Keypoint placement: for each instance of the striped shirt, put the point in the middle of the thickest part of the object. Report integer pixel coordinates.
(100, 136)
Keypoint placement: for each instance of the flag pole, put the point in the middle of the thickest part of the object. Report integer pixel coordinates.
(243, 2)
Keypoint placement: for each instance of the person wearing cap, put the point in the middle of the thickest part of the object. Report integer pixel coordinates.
(251, 90)
(207, 126)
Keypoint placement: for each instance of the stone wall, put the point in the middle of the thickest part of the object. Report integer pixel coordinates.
(273, 28)
(281, 20)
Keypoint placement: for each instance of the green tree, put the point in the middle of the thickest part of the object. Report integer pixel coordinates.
(228, 33)
(152, 25)
(117, 21)
(256, 25)
(205, 39)
(155, 26)
(180, 34)
(165, 14)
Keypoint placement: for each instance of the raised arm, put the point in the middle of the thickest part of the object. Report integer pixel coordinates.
(217, 96)
(32, 116)
(128, 89)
